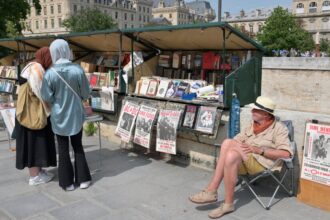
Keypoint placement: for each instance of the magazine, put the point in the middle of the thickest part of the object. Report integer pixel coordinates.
(206, 119)
(127, 121)
(107, 98)
(152, 89)
(162, 88)
(8, 116)
(168, 121)
(182, 89)
(190, 115)
(144, 122)
(144, 86)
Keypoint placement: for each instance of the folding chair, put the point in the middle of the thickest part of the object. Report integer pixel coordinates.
(288, 166)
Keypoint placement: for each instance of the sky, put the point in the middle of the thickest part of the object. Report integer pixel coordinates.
(234, 6)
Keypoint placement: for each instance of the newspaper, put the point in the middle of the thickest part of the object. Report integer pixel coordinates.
(8, 116)
(127, 121)
(167, 125)
(144, 122)
(107, 98)
(316, 161)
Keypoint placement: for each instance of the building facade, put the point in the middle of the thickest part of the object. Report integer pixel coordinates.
(179, 12)
(250, 22)
(314, 16)
(126, 13)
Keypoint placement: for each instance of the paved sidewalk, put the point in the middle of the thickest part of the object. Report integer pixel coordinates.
(129, 186)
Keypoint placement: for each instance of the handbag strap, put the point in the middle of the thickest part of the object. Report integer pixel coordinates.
(66, 83)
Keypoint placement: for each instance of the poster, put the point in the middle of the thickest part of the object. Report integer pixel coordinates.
(127, 121)
(8, 116)
(189, 118)
(144, 122)
(167, 125)
(107, 98)
(316, 157)
(206, 119)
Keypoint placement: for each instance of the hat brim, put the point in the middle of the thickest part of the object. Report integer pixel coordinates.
(262, 109)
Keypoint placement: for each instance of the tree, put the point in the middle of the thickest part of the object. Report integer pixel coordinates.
(282, 31)
(11, 15)
(89, 19)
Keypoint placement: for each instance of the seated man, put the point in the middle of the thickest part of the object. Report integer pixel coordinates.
(250, 152)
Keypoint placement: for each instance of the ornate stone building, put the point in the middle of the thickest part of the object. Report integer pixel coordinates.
(180, 12)
(250, 22)
(314, 16)
(126, 13)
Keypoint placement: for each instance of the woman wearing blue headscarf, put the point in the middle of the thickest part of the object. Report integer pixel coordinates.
(65, 86)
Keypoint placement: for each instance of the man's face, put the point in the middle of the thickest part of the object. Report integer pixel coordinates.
(259, 115)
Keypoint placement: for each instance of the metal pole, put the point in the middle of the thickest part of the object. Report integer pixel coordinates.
(219, 10)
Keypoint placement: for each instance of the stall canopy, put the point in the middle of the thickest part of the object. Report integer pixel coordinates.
(210, 36)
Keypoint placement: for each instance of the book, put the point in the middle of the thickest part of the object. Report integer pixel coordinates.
(164, 60)
(168, 73)
(182, 89)
(172, 88)
(206, 119)
(94, 78)
(198, 61)
(102, 79)
(162, 88)
(138, 87)
(127, 121)
(176, 74)
(176, 60)
(107, 98)
(144, 123)
(184, 61)
(152, 89)
(144, 86)
(190, 115)
(99, 60)
(167, 124)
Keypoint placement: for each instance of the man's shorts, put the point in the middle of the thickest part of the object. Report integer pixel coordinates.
(251, 166)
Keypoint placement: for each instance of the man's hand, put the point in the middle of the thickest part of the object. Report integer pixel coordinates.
(250, 149)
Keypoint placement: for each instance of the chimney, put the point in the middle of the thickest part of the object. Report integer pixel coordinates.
(242, 13)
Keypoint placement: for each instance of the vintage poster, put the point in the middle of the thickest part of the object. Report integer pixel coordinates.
(316, 158)
(127, 121)
(107, 98)
(144, 122)
(8, 116)
(206, 119)
(190, 116)
(167, 125)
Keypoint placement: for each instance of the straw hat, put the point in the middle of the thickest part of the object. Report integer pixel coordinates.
(265, 104)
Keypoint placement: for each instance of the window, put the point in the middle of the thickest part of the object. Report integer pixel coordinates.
(144, 18)
(60, 22)
(45, 10)
(75, 8)
(251, 28)
(300, 8)
(147, 10)
(144, 9)
(125, 26)
(170, 16)
(139, 8)
(140, 18)
(52, 23)
(326, 6)
(132, 17)
(45, 24)
(312, 7)
(259, 27)
(116, 15)
(87, 1)
(125, 16)
(147, 18)
(132, 26)
(59, 9)
(51, 9)
(37, 24)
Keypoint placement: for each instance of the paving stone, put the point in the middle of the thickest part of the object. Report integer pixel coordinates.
(82, 210)
(4, 216)
(27, 205)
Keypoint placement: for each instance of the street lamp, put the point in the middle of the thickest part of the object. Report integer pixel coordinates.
(219, 9)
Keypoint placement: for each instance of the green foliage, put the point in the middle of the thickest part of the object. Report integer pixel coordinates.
(90, 129)
(282, 31)
(89, 19)
(11, 15)
(324, 45)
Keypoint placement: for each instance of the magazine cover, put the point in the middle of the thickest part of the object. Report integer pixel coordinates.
(94, 80)
(189, 118)
(152, 89)
(144, 122)
(316, 158)
(206, 119)
(144, 86)
(127, 121)
(183, 88)
(107, 98)
(168, 121)
(162, 88)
